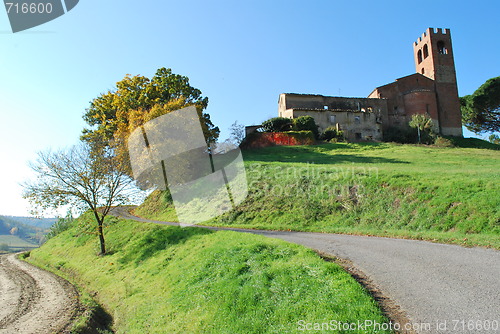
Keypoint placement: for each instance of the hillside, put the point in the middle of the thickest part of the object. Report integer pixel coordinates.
(440, 194)
(159, 279)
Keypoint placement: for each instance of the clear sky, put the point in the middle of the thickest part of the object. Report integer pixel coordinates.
(241, 54)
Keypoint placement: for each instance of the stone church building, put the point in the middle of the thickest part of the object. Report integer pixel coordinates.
(432, 91)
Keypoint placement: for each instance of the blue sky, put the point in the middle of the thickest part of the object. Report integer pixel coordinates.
(241, 54)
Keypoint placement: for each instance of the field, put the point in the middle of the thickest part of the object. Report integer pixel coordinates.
(160, 279)
(447, 195)
(15, 243)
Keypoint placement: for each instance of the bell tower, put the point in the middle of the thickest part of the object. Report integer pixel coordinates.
(434, 59)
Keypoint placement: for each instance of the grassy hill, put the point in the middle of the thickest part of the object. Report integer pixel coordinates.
(440, 194)
(159, 279)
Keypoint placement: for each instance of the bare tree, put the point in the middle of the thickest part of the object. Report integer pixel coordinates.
(237, 133)
(87, 177)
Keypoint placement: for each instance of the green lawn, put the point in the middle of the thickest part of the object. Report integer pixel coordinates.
(160, 279)
(421, 192)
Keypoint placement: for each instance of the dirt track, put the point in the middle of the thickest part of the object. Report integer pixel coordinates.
(33, 300)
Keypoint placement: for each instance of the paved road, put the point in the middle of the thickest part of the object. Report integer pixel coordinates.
(441, 288)
(33, 300)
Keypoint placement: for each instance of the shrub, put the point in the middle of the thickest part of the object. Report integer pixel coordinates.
(472, 143)
(401, 135)
(259, 139)
(61, 225)
(306, 123)
(443, 142)
(277, 124)
(332, 133)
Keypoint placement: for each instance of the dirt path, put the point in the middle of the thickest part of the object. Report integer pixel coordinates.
(441, 288)
(33, 300)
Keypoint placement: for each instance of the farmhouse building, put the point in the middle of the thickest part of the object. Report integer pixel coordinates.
(432, 91)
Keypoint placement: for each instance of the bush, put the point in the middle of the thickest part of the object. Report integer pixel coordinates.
(306, 123)
(472, 143)
(443, 142)
(332, 133)
(401, 135)
(277, 124)
(61, 225)
(264, 139)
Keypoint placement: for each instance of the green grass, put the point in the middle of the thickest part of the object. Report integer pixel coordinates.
(15, 243)
(160, 279)
(440, 194)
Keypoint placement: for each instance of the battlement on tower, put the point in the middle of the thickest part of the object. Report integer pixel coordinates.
(433, 32)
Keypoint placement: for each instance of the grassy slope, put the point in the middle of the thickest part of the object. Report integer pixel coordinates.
(161, 279)
(442, 194)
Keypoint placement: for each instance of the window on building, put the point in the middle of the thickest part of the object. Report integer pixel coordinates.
(357, 119)
(442, 48)
(333, 119)
(426, 51)
(423, 70)
(419, 56)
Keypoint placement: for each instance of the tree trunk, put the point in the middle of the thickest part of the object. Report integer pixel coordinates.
(418, 130)
(101, 237)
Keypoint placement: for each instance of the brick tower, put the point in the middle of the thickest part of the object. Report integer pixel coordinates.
(434, 59)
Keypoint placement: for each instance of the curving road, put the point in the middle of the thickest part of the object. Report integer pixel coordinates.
(33, 300)
(441, 288)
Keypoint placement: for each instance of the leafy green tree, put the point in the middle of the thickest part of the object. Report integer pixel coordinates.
(423, 123)
(61, 225)
(138, 94)
(332, 133)
(495, 139)
(277, 124)
(306, 123)
(87, 177)
(481, 110)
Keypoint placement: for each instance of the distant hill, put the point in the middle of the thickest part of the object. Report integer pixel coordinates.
(30, 230)
(44, 223)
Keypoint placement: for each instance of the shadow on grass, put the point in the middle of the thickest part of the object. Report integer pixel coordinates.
(157, 239)
(321, 154)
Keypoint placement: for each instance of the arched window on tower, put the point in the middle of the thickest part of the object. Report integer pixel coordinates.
(442, 48)
(426, 51)
(419, 56)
